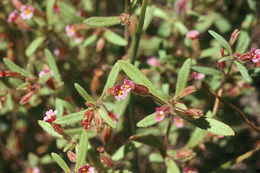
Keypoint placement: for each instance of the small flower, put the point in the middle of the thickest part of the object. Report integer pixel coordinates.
(190, 170)
(113, 116)
(50, 116)
(255, 55)
(78, 38)
(184, 154)
(128, 85)
(197, 76)
(124, 19)
(27, 11)
(33, 170)
(86, 169)
(44, 72)
(192, 34)
(119, 92)
(153, 62)
(13, 16)
(71, 30)
(179, 122)
(159, 114)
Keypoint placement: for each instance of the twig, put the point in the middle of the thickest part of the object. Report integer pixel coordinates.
(254, 127)
(166, 139)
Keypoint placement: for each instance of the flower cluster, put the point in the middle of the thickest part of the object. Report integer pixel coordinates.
(71, 31)
(50, 116)
(121, 91)
(124, 19)
(86, 169)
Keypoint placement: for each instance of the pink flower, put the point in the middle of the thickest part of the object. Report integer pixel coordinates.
(119, 92)
(153, 62)
(255, 55)
(33, 170)
(128, 85)
(27, 11)
(181, 6)
(13, 16)
(86, 169)
(190, 170)
(192, 34)
(197, 76)
(71, 30)
(50, 116)
(113, 116)
(44, 72)
(159, 114)
(179, 122)
(78, 38)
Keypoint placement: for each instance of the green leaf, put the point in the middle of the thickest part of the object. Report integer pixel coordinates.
(147, 121)
(171, 166)
(71, 118)
(183, 76)
(114, 38)
(243, 71)
(82, 150)
(119, 154)
(206, 70)
(102, 21)
(59, 107)
(60, 162)
(196, 138)
(69, 13)
(111, 80)
(45, 78)
(138, 77)
(243, 42)
(52, 64)
(90, 40)
(211, 125)
(106, 118)
(221, 40)
(150, 140)
(83, 93)
(16, 68)
(49, 129)
(49, 11)
(34, 45)
(181, 27)
(226, 58)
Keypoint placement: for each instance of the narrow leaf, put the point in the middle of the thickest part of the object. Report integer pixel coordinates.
(82, 150)
(49, 129)
(90, 40)
(196, 138)
(16, 68)
(102, 21)
(83, 93)
(243, 42)
(106, 118)
(71, 118)
(59, 107)
(243, 71)
(111, 80)
(171, 166)
(60, 162)
(224, 59)
(52, 64)
(147, 121)
(69, 13)
(183, 77)
(138, 77)
(206, 70)
(34, 45)
(221, 40)
(49, 11)
(114, 38)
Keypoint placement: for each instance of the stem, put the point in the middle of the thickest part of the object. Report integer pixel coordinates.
(138, 31)
(254, 127)
(166, 139)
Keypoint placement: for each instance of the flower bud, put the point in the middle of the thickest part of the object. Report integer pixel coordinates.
(194, 113)
(245, 57)
(221, 65)
(221, 52)
(106, 133)
(98, 121)
(57, 128)
(141, 90)
(124, 19)
(100, 44)
(106, 158)
(234, 36)
(187, 91)
(184, 154)
(90, 104)
(26, 98)
(17, 4)
(72, 156)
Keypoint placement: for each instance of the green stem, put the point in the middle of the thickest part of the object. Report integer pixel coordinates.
(138, 31)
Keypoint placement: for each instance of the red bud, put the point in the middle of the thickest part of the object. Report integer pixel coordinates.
(72, 156)
(141, 90)
(26, 98)
(106, 133)
(234, 36)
